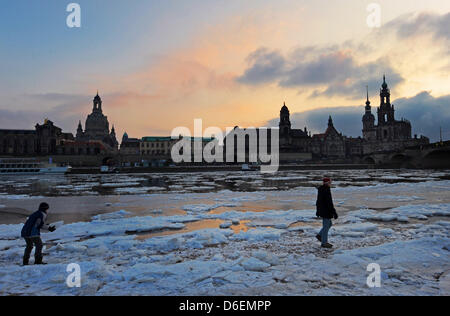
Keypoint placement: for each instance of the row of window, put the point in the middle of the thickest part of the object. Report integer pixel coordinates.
(155, 152)
(18, 170)
(81, 151)
(18, 166)
(154, 145)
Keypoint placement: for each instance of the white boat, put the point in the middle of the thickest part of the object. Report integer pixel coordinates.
(249, 167)
(108, 169)
(17, 166)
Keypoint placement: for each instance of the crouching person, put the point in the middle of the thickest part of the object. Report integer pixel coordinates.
(325, 210)
(31, 231)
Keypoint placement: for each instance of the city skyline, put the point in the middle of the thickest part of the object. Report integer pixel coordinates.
(236, 66)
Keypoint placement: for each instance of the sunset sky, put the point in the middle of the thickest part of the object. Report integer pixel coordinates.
(161, 64)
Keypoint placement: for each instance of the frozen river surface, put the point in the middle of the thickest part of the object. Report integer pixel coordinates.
(231, 233)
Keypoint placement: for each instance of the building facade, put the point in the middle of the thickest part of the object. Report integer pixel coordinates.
(330, 145)
(45, 139)
(389, 134)
(292, 140)
(157, 146)
(130, 146)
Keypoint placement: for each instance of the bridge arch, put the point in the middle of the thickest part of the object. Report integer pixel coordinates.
(108, 161)
(369, 161)
(400, 158)
(438, 158)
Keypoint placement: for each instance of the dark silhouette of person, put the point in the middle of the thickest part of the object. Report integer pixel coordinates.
(325, 210)
(31, 231)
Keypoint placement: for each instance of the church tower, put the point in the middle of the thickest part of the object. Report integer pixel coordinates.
(97, 104)
(285, 122)
(80, 133)
(368, 120)
(330, 122)
(97, 126)
(113, 132)
(386, 110)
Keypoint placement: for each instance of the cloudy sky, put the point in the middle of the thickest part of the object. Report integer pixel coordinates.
(161, 64)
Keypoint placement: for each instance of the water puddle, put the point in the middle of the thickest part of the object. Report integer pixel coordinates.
(193, 226)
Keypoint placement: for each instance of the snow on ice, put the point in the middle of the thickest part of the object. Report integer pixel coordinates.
(277, 254)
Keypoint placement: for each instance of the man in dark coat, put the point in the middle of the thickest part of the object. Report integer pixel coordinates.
(325, 210)
(31, 231)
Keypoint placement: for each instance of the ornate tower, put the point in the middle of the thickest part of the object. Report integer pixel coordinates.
(97, 104)
(97, 126)
(80, 130)
(113, 132)
(285, 122)
(386, 110)
(330, 121)
(124, 137)
(368, 120)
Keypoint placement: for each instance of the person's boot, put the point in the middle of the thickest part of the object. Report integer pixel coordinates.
(319, 238)
(327, 245)
(25, 262)
(39, 261)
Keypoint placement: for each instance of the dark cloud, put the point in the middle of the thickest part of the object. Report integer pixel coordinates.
(425, 112)
(333, 70)
(410, 25)
(338, 71)
(266, 67)
(356, 89)
(327, 68)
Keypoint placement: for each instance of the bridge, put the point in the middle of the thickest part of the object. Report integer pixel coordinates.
(435, 155)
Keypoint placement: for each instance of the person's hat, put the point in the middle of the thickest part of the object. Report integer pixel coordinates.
(326, 180)
(43, 207)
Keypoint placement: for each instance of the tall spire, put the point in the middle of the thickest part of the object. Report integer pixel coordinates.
(330, 121)
(384, 85)
(79, 130)
(367, 99)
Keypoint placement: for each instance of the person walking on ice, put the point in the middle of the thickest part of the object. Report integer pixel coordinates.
(31, 231)
(325, 210)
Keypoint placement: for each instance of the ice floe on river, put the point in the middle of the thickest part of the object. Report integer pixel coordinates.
(276, 254)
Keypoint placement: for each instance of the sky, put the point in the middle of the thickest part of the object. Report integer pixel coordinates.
(161, 64)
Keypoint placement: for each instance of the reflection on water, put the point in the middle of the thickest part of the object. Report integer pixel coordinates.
(317, 223)
(198, 225)
(75, 198)
(201, 182)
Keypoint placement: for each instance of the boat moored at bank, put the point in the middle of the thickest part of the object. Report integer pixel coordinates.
(26, 166)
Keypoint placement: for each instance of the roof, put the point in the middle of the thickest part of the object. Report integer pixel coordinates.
(327, 132)
(89, 143)
(168, 138)
(156, 138)
(298, 133)
(17, 131)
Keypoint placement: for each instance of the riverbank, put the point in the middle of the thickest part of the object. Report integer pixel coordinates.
(223, 242)
(277, 255)
(212, 168)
